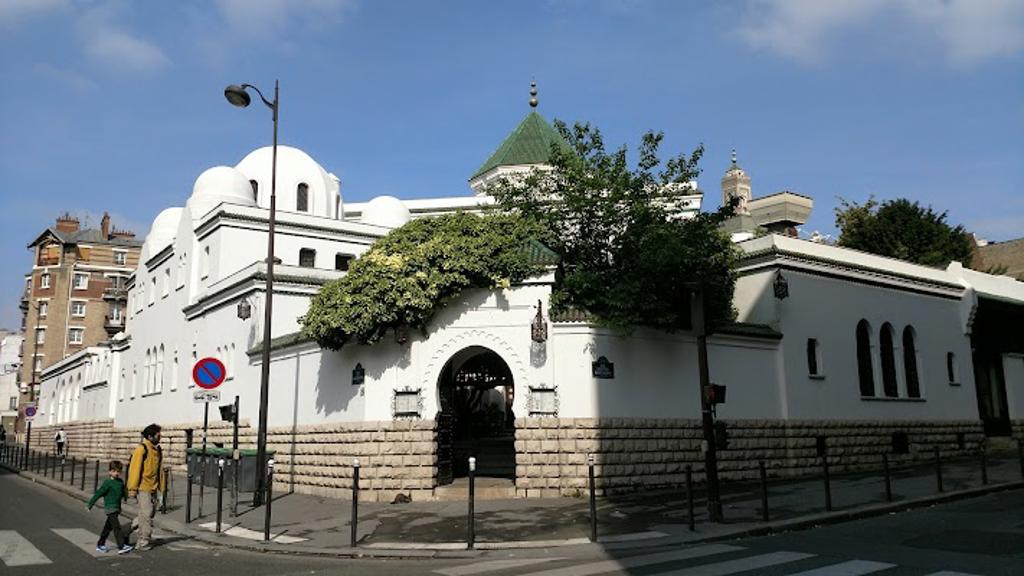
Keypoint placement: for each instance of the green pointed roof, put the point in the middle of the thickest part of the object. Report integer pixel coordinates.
(529, 143)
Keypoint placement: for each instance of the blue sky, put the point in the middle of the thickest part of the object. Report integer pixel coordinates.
(116, 105)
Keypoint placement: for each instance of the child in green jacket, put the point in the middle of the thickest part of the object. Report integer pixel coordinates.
(113, 492)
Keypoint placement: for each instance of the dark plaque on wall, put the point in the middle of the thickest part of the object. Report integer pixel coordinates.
(603, 369)
(358, 375)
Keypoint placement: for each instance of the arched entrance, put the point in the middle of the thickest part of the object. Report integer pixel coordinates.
(475, 395)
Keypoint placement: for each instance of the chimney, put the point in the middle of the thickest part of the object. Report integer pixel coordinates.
(105, 226)
(67, 223)
(115, 233)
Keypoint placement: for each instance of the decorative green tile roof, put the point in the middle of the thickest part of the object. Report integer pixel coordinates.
(538, 253)
(529, 143)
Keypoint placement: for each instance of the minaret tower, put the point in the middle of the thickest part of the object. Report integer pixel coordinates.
(736, 184)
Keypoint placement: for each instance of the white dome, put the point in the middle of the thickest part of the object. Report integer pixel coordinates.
(216, 185)
(162, 232)
(294, 168)
(386, 211)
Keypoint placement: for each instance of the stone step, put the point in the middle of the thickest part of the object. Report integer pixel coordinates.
(486, 488)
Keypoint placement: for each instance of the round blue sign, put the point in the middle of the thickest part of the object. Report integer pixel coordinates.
(209, 373)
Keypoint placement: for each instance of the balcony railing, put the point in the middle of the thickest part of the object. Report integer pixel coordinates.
(115, 293)
(114, 322)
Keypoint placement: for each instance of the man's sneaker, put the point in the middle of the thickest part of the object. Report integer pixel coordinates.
(124, 549)
(142, 547)
(102, 548)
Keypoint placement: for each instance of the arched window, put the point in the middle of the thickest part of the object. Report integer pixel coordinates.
(864, 370)
(910, 362)
(255, 190)
(174, 372)
(813, 360)
(951, 367)
(307, 258)
(887, 345)
(302, 198)
(145, 374)
(160, 370)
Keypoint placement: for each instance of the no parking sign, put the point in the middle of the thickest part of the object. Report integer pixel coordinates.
(209, 373)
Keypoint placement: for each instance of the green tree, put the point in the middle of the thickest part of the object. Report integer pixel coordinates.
(411, 273)
(902, 229)
(627, 256)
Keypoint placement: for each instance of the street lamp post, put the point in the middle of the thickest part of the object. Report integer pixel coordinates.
(699, 322)
(238, 96)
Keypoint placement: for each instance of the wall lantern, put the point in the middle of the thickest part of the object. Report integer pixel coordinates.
(780, 286)
(539, 328)
(358, 375)
(244, 309)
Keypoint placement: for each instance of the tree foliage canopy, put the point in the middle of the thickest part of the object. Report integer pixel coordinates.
(627, 256)
(411, 273)
(902, 229)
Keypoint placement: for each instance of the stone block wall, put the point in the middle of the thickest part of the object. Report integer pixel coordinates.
(635, 453)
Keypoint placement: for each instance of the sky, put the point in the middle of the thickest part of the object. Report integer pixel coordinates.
(118, 106)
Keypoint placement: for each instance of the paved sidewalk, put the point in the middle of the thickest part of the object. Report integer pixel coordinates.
(310, 524)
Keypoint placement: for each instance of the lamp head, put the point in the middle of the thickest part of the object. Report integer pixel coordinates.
(237, 96)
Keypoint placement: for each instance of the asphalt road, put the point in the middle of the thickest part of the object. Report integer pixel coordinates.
(45, 533)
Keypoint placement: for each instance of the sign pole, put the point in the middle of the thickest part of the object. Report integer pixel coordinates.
(202, 462)
(236, 462)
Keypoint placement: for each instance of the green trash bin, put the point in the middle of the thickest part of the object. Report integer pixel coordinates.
(246, 468)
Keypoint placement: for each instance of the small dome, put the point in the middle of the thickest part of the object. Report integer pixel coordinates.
(162, 232)
(216, 185)
(386, 211)
(294, 169)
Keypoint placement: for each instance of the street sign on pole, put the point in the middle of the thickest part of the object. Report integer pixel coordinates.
(209, 373)
(30, 412)
(207, 396)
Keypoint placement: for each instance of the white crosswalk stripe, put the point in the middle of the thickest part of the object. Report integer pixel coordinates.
(638, 561)
(81, 538)
(851, 568)
(739, 565)
(16, 550)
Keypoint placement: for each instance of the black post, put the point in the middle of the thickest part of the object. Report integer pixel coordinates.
(828, 481)
(764, 491)
(220, 491)
(96, 477)
(236, 463)
(167, 487)
(470, 526)
(28, 443)
(85, 462)
(188, 487)
(62, 469)
(46, 464)
(72, 483)
(593, 499)
(888, 478)
(707, 418)
(984, 466)
(270, 500)
(1020, 455)
(938, 469)
(202, 471)
(689, 496)
(355, 502)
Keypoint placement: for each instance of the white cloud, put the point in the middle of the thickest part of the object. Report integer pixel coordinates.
(109, 45)
(969, 31)
(13, 11)
(249, 17)
(69, 79)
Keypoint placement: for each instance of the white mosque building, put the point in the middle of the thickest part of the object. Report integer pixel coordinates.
(875, 354)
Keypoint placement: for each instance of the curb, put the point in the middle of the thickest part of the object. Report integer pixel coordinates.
(427, 550)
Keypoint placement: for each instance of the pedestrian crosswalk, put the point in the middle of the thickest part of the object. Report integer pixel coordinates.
(18, 550)
(701, 560)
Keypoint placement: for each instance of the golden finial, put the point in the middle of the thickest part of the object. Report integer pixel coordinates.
(533, 94)
(733, 156)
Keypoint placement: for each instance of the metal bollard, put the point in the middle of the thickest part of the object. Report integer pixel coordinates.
(888, 478)
(84, 463)
(689, 497)
(220, 491)
(270, 500)
(167, 486)
(202, 484)
(72, 483)
(355, 502)
(1020, 455)
(188, 489)
(938, 469)
(62, 469)
(593, 499)
(984, 466)
(828, 482)
(96, 477)
(764, 491)
(471, 527)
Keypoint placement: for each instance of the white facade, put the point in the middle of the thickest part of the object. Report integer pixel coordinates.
(78, 388)
(10, 349)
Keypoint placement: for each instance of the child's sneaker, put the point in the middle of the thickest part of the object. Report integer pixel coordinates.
(124, 549)
(102, 548)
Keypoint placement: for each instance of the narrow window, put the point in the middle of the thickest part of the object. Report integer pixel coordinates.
(886, 343)
(120, 258)
(341, 261)
(302, 198)
(76, 335)
(307, 258)
(812, 357)
(44, 280)
(864, 370)
(174, 372)
(44, 307)
(81, 281)
(206, 262)
(152, 290)
(40, 335)
(167, 282)
(255, 190)
(951, 367)
(159, 380)
(910, 363)
(78, 308)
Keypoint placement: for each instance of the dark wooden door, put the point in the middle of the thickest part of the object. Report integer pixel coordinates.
(445, 428)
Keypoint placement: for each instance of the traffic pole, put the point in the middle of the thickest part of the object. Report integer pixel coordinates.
(85, 462)
(938, 469)
(888, 478)
(355, 502)
(188, 488)
(689, 497)
(202, 471)
(270, 500)
(72, 483)
(471, 534)
(96, 477)
(764, 491)
(220, 491)
(28, 443)
(593, 498)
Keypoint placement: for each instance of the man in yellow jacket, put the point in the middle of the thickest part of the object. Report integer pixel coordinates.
(146, 481)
